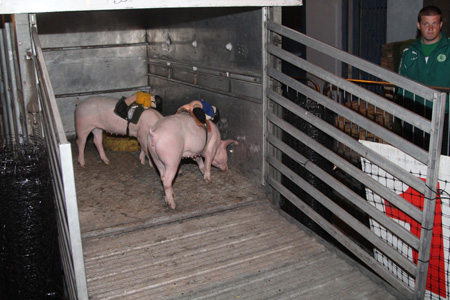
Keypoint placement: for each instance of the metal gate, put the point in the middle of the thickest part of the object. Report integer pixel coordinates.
(63, 177)
(315, 159)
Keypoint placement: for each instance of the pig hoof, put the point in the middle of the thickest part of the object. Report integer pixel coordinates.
(171, 205)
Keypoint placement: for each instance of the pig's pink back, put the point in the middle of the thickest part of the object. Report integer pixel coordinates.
(179, 135)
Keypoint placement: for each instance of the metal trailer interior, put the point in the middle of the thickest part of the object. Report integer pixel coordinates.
(226, 239)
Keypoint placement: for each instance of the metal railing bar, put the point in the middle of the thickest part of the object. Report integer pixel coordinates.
(355, 61)
(71, 48)
(359, 175)
(99, 92)
(344, 240)
(241, 97)
(430, 195)
(7, 109)
(59, 130)
(368, 96)
(351, 196)
(243, 76)
(369, 235)
(371, 155)
(353, 116)
(388, 84)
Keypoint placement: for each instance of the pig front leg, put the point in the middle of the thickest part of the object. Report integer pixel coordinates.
(203, 166)
(144, 151)
(98, 142)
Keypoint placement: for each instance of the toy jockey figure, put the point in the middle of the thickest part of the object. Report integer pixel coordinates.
(202, 110)
(132, 107)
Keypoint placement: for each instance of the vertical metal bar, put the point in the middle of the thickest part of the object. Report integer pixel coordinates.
(8, 112)
(345, 35)
(27, 79)
(356, 34)
(73, 220)
(429, 205)
(5, 120)
(265, 86)
(272, 14)
(11, 63)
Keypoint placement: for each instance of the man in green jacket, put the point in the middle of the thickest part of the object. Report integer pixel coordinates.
(427, 61)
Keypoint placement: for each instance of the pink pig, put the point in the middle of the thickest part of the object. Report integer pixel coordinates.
(96, 114)
(179, 136)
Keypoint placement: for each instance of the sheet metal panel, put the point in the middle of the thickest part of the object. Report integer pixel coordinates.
(225, 39)
(29, 6)
(77, 71)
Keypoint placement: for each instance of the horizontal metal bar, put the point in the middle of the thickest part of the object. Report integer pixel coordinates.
(357, 174)
(347, 218)
(372, 98)
(99, 92)
(384, 83)
(254, 78)
(343, 239)
(355, 61)
(71, 48)
(383, 163)
(353, 116)
(348, 194)
(241, 97)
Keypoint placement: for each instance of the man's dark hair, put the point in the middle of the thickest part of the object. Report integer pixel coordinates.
(429, 11)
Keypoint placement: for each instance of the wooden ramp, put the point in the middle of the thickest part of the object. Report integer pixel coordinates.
(224, 240)
(250, 252)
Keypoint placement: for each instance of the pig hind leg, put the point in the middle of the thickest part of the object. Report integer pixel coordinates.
(98, 139)
(81, 144)
(167, 181)
(167, 174)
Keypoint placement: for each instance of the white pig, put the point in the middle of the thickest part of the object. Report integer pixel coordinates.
(179, 136)
(96, 114)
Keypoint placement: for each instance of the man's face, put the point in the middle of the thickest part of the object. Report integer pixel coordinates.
(430, 29)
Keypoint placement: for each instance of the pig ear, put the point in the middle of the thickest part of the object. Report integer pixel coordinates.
(224, 144)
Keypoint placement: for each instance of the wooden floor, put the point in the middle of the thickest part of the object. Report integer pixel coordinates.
(224, 240)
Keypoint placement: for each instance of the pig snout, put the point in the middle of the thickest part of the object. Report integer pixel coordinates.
(220, 160)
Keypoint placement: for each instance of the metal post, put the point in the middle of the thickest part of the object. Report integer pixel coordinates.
(11, 127)
(429, 205)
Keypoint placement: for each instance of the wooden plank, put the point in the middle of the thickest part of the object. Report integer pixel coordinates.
(250, 252)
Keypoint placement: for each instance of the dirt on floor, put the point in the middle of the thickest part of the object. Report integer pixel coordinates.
(126, 193)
